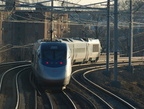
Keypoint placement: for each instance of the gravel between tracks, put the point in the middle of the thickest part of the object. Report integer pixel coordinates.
(131, 84)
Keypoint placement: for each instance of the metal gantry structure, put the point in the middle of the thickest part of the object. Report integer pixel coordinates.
(108, 37)
(88, 8)
(51, 29)
(115, 39)
(131, 36)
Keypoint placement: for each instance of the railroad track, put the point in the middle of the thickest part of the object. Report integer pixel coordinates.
(9, 85)
(61, 100)
(17, 91)
(81, 101)
(53, 99)
(108, 99)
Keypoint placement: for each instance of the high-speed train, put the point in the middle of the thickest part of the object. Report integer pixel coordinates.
(52, 61)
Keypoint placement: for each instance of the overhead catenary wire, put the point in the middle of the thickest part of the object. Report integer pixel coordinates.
(47, 1)
(65, 7)
(79, 21)
(17, 46)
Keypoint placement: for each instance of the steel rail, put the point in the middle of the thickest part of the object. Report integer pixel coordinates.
(70, 99)
(109, 106)
(50, 100)
(17, 88)
(103, 89)
(1, 79)
(16, 62)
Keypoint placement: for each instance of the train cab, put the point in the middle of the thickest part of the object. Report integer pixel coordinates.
(53, 67)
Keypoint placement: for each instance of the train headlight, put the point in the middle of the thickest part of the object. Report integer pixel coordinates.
(47, 62)
(61, 63)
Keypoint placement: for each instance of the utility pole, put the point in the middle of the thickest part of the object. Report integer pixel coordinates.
(115, 83)
(115, 37)
(51, 24)
(131, 37)
(108, 37)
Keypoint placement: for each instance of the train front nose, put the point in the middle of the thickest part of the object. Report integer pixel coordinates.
(54, 76)
(54, 69)
(53, 63)
(54, 73)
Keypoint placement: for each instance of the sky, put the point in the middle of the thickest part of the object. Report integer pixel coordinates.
(85, 2)
(81, 2)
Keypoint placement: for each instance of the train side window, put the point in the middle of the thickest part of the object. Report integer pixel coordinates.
(80, 50)
(95, 48)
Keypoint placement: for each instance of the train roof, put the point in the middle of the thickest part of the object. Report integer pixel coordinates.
(78, 40)
(67, 40)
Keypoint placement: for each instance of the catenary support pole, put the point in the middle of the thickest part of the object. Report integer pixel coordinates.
(108, 37)
(131, 37)
(51, 25)
(115, 38)
(115, 83)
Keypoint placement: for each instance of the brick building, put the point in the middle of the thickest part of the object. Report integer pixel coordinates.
(23, 27)
(26, 27)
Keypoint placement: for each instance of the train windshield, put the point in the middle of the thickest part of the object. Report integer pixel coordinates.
(54, 54)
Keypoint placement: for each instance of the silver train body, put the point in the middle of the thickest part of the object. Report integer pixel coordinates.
(52, 61)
